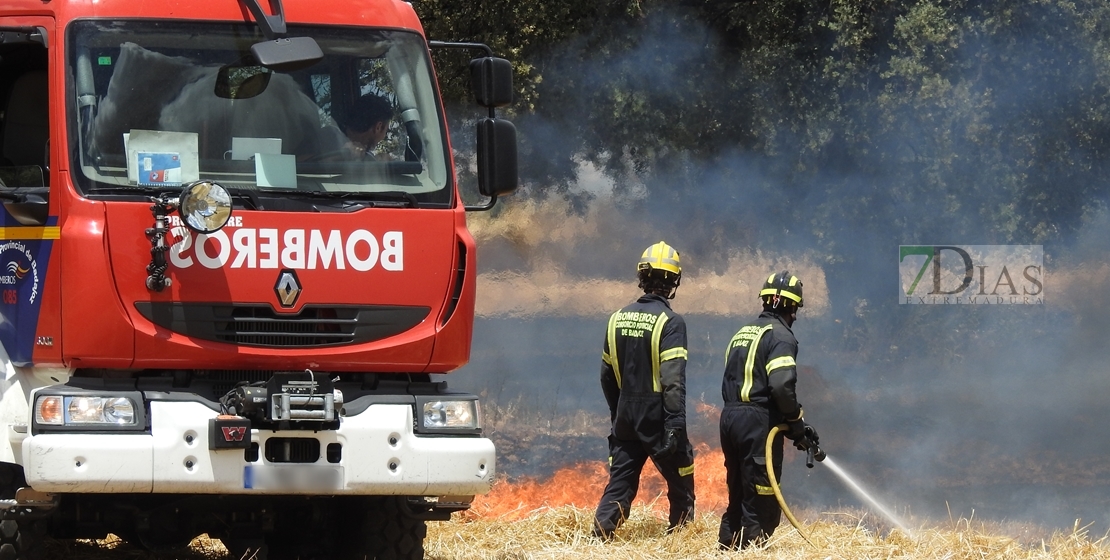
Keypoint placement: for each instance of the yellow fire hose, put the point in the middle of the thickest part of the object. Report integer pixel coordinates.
(775, 483)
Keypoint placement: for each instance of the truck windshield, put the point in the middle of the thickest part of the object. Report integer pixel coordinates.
(158, 104)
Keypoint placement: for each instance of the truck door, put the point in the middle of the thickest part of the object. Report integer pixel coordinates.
(27, 227)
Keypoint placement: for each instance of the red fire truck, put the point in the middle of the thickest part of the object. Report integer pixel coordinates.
(235, 263)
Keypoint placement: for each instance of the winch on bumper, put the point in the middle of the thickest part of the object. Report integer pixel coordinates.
(295, 435)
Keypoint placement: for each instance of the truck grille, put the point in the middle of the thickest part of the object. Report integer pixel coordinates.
(292, 450)
(260, 325)
(222, 381)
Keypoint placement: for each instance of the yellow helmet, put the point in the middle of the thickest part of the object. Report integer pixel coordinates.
(782, 284)
(660, 257)
(659, 270)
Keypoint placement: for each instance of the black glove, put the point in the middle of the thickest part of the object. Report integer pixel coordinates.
(670, 442)
(811, 435)
(802, 434)
(796, 430)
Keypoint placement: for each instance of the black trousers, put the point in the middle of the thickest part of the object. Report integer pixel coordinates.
(753, 513)
(626, 462)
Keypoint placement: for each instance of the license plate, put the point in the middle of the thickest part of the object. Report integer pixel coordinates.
(293, 477)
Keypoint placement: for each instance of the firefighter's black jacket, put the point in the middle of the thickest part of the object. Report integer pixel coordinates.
(760, 368)
(643, 370)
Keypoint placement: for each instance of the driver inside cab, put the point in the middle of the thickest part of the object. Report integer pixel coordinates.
(366, 125)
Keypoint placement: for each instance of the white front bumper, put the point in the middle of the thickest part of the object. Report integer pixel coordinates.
(175, 458)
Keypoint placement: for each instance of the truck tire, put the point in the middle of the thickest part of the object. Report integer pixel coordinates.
(385, 531)
(19, 540)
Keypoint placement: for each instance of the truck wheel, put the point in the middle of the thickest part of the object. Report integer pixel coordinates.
(19, 540)
(386, 531)
(391, 534)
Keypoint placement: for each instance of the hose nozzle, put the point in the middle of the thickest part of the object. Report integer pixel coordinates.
(808, 442)
(814, 452)
(813, 449)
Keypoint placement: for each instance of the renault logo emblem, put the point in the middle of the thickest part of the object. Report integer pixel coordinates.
(288, 288)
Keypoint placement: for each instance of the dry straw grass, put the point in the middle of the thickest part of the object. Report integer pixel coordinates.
(565, 533)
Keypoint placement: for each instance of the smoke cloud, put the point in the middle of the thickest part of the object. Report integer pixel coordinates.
(994, 412)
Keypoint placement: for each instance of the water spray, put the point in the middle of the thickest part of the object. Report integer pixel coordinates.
(837, 470)
(815, 453)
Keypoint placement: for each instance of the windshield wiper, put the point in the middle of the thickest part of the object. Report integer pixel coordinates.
(377, 198)
(247, 196)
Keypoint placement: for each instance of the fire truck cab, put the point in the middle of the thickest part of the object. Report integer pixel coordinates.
(235, 266)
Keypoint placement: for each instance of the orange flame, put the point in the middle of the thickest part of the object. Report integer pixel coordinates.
(707, 410)
(581, 486)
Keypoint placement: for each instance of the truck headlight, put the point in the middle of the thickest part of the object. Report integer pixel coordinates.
(100, 410)
(85, 412)
(449, 415)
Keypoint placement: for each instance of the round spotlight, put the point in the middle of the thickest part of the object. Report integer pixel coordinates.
(205, 206)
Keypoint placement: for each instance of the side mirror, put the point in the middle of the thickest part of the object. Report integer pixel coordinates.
(24, 194)
(492, 81)
(287, 54)
(241, 82)
(497, 165)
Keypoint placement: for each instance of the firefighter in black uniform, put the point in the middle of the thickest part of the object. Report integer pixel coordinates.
(643, 375)
(758, 389)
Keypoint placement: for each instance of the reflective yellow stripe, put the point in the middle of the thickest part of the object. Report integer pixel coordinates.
(749, 365)
(780, 292)
(656, 336)
(791, 296)
(785, 361)
(674, 354)
(30, 232)
(764, 490)
(612, 336)
(686, 471)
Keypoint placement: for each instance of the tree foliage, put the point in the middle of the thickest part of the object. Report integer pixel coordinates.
(1000, 105)
(845, 127)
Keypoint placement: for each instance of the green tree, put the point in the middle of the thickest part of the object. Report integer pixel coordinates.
(990, 117)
